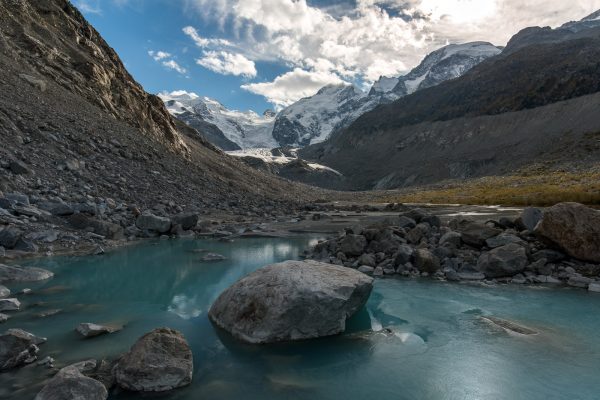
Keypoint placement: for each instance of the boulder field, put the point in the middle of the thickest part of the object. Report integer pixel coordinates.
(560, 244)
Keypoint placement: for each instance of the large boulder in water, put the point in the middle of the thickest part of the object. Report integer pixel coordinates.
(575, 228)
(71, 384)
(292, 300)
(507, 260)
(160, 360)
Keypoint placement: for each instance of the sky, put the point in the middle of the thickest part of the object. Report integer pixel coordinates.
(266, 54)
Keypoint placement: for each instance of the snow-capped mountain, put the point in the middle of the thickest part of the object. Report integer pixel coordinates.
(242, 129)
(446, 63)
(312, 119)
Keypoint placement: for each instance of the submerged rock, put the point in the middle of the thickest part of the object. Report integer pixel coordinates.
(507, 260)
(18, 348)
(292, 300)
(160, 360)
(573, 227)
(71, 384)
(90, 330)
(15, 273)
(510, 326)
(212, 257)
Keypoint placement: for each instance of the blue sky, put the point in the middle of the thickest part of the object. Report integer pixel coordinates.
(259, 54)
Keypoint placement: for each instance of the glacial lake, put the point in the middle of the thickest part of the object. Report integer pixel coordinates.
(437, 346)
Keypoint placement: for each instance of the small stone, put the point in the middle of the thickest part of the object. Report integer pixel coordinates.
(378, 272)
(90, 330)
(365, 269)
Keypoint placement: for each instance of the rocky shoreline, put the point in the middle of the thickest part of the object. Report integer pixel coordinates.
(559, 245)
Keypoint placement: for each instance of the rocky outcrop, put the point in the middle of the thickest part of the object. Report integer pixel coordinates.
(159, 361)
(18, 348)
(71, 53)
(575, 228)
(71, 384)
(293, 300)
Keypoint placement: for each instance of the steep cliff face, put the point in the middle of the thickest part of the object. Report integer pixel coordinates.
(51, 38)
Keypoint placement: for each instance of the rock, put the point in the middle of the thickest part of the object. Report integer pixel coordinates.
(473, 233)
(17, 199)
(26, 245)
(406, 222)
(575, 228)
(594, 287)
(425, 261)
(551, 256)
(4, 292)
(89, 330)
(451, 275)
(503, 239)
(3, 318)
(71, 384)
(19, 168)
(262, 307)
(10, 305)
(30, 211)
(40, 84)
(213, 257)
(415, 214)
(104, 228)
(49, 236)
(18, 348)
(365, 269)
(154, 223)
(452, 239)
(368, 260)
(509, 326)
(9, 237)
(529, 219)
(403, 255)
(518, 279)
(186, 220)
(471, 276)
(580, 282)
(160, 360)
(353, 245)
(507, 260)
(15, 273)
(417, 233)
(59, 209)
(432, 220)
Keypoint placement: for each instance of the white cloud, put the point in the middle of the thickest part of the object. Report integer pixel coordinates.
(292, 86)
(166, 59)
(226, 63)
(88, 7)
(172, 64)
(361, 43)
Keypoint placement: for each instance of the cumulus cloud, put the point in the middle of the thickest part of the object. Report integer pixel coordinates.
(359, 43)
(293, 85)
(166, 59)
(226, 63)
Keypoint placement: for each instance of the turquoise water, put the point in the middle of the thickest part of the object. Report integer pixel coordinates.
(437, 347)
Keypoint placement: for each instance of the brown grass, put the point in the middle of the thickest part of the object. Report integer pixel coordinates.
(518, 190)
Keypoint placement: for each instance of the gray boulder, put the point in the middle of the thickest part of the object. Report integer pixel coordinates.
(292, 300)
(425, 261)
(186, 220)
(17, 198)
(150, 222)
(18, 348)
(9, 237)
(353, 245)
(4, 292)
(15, 273)
(365, 269)
(529, 218)
(3, 318)
(160, 360)
(503, 239)
(573, 227)
(403, 255)
(406, 222)
(507, 260)
(99, 227)
(368, 260)
(19, 168)
(451, 239)
(473, 233)
(10, 305)
(71, 384)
